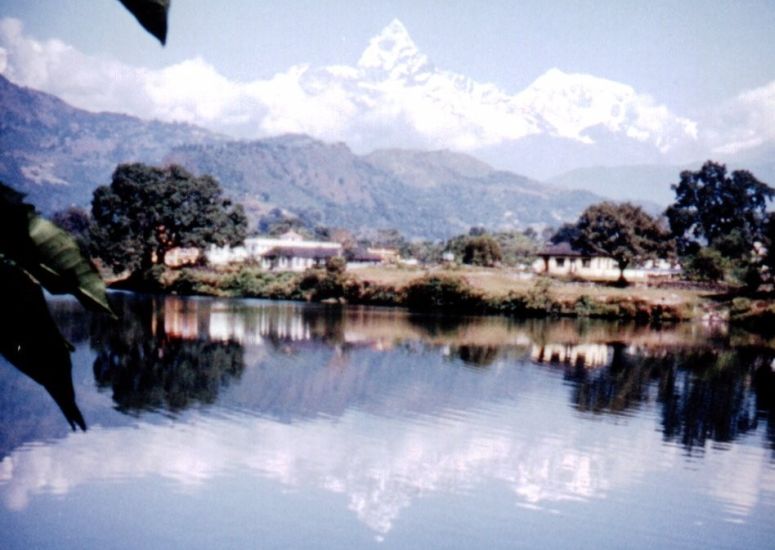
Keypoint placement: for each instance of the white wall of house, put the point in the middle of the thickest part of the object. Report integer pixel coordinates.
(600, 268)
(575, 266)
(255, 247)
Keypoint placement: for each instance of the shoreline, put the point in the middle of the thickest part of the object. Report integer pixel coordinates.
(460, 290)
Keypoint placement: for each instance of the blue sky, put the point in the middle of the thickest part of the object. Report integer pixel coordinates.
(687, 53)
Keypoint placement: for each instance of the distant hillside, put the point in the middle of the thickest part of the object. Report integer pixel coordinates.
(651, 183)
(58, 154)
(423, 194)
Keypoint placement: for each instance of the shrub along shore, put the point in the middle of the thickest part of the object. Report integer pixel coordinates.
(467, 291)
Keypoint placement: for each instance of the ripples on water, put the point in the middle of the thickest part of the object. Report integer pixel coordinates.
(257, 424)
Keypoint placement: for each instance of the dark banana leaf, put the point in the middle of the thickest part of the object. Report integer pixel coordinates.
(152, 15)
(62, 268)
(34, 253)
(31, 341)
(47, 253)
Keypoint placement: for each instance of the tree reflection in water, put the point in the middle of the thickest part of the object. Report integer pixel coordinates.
(172, 353)
(704, 394)
(150, 364)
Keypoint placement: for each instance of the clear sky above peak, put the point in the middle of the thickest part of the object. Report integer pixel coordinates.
(689, 54)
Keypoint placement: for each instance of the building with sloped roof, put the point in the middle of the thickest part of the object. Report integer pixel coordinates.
(297, 258)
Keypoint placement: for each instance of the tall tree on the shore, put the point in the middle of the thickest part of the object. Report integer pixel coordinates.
(623, 232)
(148, 211)
(712, 208)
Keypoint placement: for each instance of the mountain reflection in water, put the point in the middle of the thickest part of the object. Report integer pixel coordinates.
(385, 406)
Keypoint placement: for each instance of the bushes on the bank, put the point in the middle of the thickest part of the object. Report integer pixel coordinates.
(432, 292)
(357, 291)
(246, 281)
(753, 314)
(442, 292)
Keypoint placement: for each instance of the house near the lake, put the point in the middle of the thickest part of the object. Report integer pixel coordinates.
(563, 260)
(298, 258)
(288, 252)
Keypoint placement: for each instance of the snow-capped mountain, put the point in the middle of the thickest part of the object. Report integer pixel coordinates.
(394, 96)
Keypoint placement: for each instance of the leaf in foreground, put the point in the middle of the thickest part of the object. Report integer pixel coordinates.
(151, 14)
(31, 341)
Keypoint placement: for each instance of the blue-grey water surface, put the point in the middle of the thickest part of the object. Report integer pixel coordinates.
(253, 424)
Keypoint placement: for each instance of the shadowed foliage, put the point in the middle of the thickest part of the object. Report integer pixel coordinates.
(35, 253)
(147, 211)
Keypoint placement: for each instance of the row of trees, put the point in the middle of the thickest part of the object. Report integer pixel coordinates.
(713, 227)
(718, 227)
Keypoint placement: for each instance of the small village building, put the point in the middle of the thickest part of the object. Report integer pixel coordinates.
(361, 258)
(562, 260)
(386, 255)
(178, 257)
(255, 249)
(295, 258)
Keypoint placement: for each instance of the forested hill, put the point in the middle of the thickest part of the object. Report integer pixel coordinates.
(423, 194)
(58, 154)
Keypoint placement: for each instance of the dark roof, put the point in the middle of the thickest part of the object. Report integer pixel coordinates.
(301, 252)
(561, 249)
(361, 255)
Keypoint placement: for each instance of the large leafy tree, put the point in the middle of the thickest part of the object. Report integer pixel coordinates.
(621, 231)
(147, 211)
(724, 211)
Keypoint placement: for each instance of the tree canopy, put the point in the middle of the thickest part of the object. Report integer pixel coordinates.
(622, 231)
(147, 211)
(720, 210)
(481, 250)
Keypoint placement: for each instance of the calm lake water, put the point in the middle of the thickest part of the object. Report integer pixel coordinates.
(253, 424)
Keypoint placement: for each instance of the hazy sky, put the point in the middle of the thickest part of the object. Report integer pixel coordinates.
(687, 53)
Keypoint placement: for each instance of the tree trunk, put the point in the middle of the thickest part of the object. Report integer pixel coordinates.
(622, 282)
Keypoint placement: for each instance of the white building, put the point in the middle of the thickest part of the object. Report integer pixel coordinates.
(257, 248)
(562, 260)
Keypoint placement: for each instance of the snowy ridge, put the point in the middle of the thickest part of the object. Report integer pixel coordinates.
(394, 96)
(394, 79)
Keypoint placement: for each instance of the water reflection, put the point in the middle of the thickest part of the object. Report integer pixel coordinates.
(155, 356)
(173, 352)
(384, 408)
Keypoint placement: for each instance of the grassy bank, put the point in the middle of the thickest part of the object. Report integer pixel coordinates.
(481, 291)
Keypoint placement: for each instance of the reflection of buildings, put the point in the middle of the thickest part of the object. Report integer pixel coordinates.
(585, 355)
(191, 319)
(283, 324)
(181, 319)
(187, 319)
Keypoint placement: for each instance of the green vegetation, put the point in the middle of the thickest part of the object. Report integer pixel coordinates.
(438, 292)
(623, 232)
(716, 220)
(482, 250)
(148, 211)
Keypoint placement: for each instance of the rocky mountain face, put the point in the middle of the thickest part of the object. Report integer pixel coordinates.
(58, 154)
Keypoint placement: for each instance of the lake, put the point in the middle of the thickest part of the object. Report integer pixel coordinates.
(257, 424)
